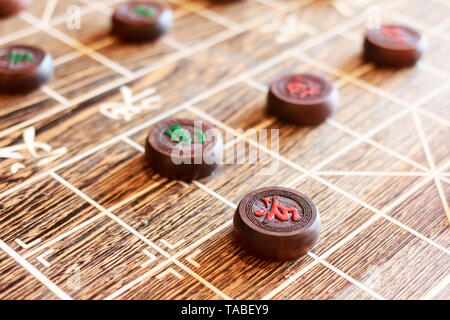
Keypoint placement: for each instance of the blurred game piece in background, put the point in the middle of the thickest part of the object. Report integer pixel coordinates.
(11, 7)
(138, 21)
(24, 68)
(303, 99)
(393, 46)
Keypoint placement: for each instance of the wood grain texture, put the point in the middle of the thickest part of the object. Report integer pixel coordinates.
(444, 294)
(170, 287)
(308, 146)
(339, 216)
(236, 178)
(95, 261)
(404, 138)
(242, 12)
(228, 267)
(361, 110)
(112, 175)
(340, 53)
(392, 261)
(136, 56)
(18, 284)
(239, 107)
(80, 76)
(207, 57)
(41, 212)
(408, 84)
(378, 191)
(18, 108)
(256, 45)
(190, 28)
(321, 283)
(173, 215)
(423, 211)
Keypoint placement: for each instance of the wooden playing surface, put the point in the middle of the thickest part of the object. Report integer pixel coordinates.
(89, 219)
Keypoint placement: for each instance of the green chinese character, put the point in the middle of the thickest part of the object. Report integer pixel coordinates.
(19, 57)
(179, 135)
(143, 11)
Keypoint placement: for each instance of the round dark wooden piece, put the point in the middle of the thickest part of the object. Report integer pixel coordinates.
(12, 7)
(137, 21)
(277, 223)
(180, 160)
(303, 99)
(393, 46)
(24, 68)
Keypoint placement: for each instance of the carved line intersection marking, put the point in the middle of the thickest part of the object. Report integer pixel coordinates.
(167, 272)
(48, 12)
(190, 258)
(172, 246)
(41, 257)
(34, 272)
(29, 245)
(151, 256)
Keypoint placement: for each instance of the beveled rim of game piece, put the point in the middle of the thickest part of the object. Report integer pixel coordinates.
(162, 8)
(16, 6)
(282, 234)
(160, 127)
(387, 45)
(40, 55)
(326, 85)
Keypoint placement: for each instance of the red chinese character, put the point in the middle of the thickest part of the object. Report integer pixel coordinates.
(394, 33)
(297, 86)
(275, 211)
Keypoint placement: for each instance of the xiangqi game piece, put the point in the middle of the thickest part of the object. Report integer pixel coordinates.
(393, 46)
(137, 21)
(277, 223)
(183, 149)
(11, 7)
(24, 68)
(303, 99)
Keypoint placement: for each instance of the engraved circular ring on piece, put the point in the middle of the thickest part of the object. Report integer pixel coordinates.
(277, 223)
(303, 99)
(184, 149)
(24, 68)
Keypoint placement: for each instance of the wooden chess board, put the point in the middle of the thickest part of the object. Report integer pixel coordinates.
(82, 216)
